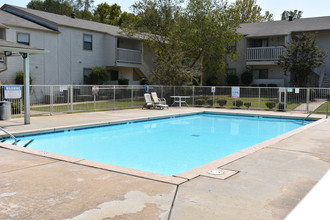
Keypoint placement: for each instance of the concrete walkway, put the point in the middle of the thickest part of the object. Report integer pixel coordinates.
(268, 185)
(312, 106)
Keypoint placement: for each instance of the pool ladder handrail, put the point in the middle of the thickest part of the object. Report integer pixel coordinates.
(327, 112)
(12, 136)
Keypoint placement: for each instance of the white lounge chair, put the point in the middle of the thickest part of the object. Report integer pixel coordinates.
(150, 104)
(158, 100)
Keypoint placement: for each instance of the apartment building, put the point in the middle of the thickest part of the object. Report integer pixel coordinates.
(263, 43)
(75, 46)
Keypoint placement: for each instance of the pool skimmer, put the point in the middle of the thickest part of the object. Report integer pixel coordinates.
(215, 172)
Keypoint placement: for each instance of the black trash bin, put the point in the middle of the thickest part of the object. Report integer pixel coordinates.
(5, 110)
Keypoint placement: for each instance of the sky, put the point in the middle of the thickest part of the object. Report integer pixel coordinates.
(310, 8)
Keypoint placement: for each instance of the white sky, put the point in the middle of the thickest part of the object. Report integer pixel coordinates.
(310, 8)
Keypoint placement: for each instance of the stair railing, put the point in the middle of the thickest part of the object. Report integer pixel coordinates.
(12, 136)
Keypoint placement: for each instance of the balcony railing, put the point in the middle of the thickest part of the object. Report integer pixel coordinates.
(264, 53)
(129, 56)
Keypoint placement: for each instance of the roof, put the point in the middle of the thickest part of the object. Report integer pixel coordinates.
(55, 20)
(8, 19)
(17, 48)
(277, 28)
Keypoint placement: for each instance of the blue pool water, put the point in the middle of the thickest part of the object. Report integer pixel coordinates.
(166, 146)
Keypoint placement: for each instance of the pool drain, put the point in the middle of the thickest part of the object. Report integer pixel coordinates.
(215, 172)
(195, 135)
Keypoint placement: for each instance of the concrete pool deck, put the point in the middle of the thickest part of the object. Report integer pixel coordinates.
(267, 184)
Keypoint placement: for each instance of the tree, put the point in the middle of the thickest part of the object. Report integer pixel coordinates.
(247, 77)
(250, 12)
(81, 8)
(294, 14)
(157, 20)
(107, 14)
(61, 7)
(97, 76)
(302, 57)
(126, 19)
(197, 35)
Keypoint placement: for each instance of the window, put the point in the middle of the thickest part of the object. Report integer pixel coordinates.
(260, 43)
(88, 42)
(23, 38)
(260, 74)
(86, 73)
(263, 74)
(231, 71)
(114, 75)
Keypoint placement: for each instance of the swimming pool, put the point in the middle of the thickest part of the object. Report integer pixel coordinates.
(166, 146)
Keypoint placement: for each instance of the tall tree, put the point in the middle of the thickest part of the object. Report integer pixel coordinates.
(294, 14)
(157, 19)
(208, 29)
(126, 19)
(250, 12)
(108, 14)
(62, 7)
(302, 57)
(197, 35)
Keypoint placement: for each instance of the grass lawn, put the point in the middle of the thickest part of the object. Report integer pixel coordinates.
(88, 106)
(323, 108)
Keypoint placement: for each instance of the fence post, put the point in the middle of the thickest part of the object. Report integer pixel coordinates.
(193, 96)
(162, 91)
(114, 96)
(259, 99)
(285, 98)
(71, 98)
(132, 94)
(51, 92)
(307, 100)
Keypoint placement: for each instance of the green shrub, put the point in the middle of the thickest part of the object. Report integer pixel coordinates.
(97, 76)
(209, 102)
(232, 80)
(281, 106)
(271, 85)
(19, 79)
(237, 103)
(246, 78)
(144, 81)
(199, 102)
(222, 102)
(16, 108)
(123, 81)
(270, 105)
(247, 104)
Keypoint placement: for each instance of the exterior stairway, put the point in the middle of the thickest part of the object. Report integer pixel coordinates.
(326, 81)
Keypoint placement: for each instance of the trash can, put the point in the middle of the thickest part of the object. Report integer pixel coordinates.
(5, 110)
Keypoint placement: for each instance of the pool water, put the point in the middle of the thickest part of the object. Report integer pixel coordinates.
(166, 146)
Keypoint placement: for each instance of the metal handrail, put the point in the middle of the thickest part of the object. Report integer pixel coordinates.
(327, 112)
(7, 132)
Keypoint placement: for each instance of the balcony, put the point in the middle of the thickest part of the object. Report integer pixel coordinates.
(263, 55)
(129, 56)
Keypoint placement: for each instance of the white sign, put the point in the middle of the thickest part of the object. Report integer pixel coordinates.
(95, 90)
(235, 92)
(290, 90)
(296, 90)
(13, 92)
(282, 90)
(213, 89)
